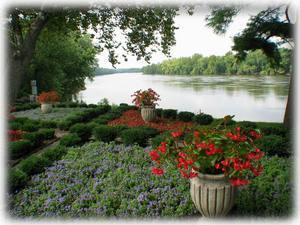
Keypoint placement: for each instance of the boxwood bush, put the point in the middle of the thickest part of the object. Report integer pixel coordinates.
(16, 179)
(48, 123)
(70, 140)
(20, 148)
(47, 134)
(158, 112)
(169, 113)
(105, 133)
(33, 164)
(138, 135)
(54, 153)
(84, 131)
(36, 138)
(269, 194)
(275, 145)
(273, 128)
(185, 116)
(203, 119)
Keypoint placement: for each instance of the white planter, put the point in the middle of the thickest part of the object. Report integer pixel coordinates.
(213, 195)
(46, 107)
(148, 113)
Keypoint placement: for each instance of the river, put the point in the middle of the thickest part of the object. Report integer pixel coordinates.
(253, 98)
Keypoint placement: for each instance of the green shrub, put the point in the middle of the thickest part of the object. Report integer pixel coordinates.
(33, 165)
(273, 129)
(54, 153)
(83, 105)
(169, 113)
(92, 105)
(105, 133)
(36, 138)
(274, 145)
(155, 142)
(269, 194)
(186, 116)
(101, 120)
(47, 134)
(20, 148)
(120, 128)
(15, 125)
(64, 125)
(72, 104)
(125, 107)
(203, 119)
(21, 120)
(30, 126)
(16, 179)
(138, 135)
(48, 124)
(82, 130)
(159, 112)
(70, 140)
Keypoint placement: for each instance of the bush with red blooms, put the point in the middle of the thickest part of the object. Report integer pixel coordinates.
(15, 135)
(48, 97)
(145, 98)
(132, 118)
(229, 152)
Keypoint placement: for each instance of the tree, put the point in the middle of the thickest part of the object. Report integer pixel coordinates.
(266, 31)
(146, 30)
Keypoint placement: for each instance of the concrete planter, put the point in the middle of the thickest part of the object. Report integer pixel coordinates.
(213, 195)
(148, 113)
(46, 107)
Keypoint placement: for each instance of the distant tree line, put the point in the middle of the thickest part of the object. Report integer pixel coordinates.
(256, 63)
(104, 71)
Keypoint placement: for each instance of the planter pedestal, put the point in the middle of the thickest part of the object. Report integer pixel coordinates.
(213, 195)
(46, 107)
(148, 113)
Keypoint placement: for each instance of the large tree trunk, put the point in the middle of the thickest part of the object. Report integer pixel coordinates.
(21, 54)
(288, 120)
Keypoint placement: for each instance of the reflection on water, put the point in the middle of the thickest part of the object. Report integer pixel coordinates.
(251, 98)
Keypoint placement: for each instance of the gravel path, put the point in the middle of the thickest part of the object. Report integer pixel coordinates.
(56, 114)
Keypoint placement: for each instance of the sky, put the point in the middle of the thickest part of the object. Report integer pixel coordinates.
(193, 36)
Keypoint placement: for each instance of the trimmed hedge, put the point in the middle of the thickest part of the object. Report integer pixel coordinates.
(269, 194)
(138, 135)
(84, 131)
(185, 116)
(203, 119)
(47, 134)
(105, 133)
(36, 138)
(16, 179)
(33, 164)
(48, 124)
(272, 129)
(54, 153)
(70, 140)
(158, 112)
(169, 113)
(275, 145)
(20, 148)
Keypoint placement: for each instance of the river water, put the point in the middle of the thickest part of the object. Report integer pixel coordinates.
(253, 98)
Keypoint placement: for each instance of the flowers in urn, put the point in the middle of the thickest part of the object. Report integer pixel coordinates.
(48, 97)
(145, 98)
(228, 152)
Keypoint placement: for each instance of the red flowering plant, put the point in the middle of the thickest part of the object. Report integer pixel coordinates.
(48, 97)
(145, 98)
(229, 152)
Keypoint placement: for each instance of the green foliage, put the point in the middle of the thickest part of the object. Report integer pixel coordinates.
(20, 148)
(82, 130)
(33, 164)
(36, 138)
(273, 128)
(169, 113)
(255, 63)
(203, 119)
(120, 128)
(105, 133)
(159, 112)
(48, 124)
(16, 179)
(47, 134)
(155, 142)
(54, 153)
(269, 194)
(185, 116)
(138, 135)
(275, 145)
(70, 140)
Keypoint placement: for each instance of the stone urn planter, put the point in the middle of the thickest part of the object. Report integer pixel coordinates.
(148, 113)
(213, 195)
(46, 107)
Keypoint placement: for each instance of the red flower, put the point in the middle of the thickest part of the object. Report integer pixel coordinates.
(182, 154)
(157, 171)
(218, 166)
(257, 171)
(255, 134)
(50, 96)
(176, 134)
(154, 155)
(163, 147)
(238, 182)
(193, 174)
(196, 134)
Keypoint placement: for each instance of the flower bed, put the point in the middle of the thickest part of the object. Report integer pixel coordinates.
(132, 118)
(111, 180)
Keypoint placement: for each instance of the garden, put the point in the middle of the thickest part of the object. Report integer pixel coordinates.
(127, 161)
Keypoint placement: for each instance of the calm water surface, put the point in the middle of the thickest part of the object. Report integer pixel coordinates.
(247, 97)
